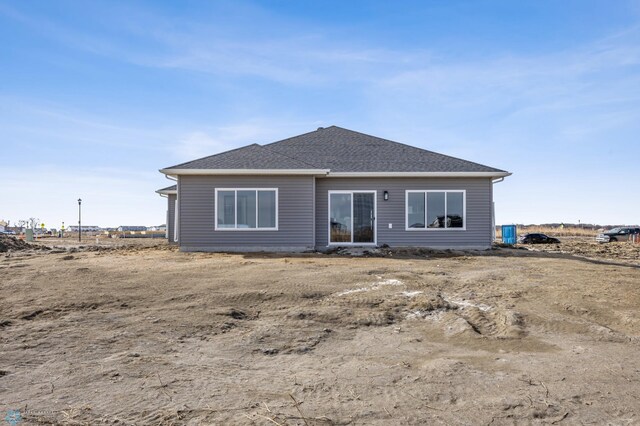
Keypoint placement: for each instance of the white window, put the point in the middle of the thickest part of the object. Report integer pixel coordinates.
(246, 209)
(432, 210)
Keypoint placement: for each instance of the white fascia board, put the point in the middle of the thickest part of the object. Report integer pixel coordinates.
(420, 174)
(328, 173)
(182, 172)
(167, 192)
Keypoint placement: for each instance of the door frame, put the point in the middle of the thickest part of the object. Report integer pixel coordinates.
(375, 217)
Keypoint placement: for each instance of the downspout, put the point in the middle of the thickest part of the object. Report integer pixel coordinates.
(176, 212)
(493, 210)
(314, 213)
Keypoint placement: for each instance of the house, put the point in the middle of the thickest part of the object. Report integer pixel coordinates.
(329, 187)
(85, 228)
(131, 228)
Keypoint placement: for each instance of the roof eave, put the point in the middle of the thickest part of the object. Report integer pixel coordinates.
(167, 192)
(183, 172)
(496, 174)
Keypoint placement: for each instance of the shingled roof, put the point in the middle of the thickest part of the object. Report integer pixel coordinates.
(249, 157)
(334, 150)
(168, 190)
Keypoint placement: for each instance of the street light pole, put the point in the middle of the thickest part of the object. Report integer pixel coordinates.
(79, 220)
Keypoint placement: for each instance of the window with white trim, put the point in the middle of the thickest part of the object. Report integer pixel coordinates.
(431, 209)
(246, 209)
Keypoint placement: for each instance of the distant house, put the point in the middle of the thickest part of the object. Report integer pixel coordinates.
(131, 228)
(3, 225)
(87, 228)
(330, 187)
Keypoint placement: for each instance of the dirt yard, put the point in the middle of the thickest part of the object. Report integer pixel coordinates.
(147, 335)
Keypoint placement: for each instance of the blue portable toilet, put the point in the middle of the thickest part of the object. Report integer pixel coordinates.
(509, 234)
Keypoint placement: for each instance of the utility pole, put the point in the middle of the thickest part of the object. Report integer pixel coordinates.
(79, 220)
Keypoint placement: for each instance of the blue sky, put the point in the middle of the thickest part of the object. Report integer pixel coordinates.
(96, 96)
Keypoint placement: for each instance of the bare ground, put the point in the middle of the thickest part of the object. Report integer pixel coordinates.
(148, 335)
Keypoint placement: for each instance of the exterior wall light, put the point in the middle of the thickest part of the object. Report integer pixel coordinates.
(386, 195)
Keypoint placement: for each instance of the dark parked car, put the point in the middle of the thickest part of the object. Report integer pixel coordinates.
(537, 239)
(617, 234)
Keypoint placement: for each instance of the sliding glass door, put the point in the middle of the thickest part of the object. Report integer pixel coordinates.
(340, 217)
(352, 217)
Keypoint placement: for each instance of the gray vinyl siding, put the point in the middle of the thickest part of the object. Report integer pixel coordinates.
(197, 214)
(171, 214)
(479, 197)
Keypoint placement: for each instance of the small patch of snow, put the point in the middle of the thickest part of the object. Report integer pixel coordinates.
(355, 290)
(464, 304)
(411, 293)
(418, 314)
(374, 286)
(390, 281)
